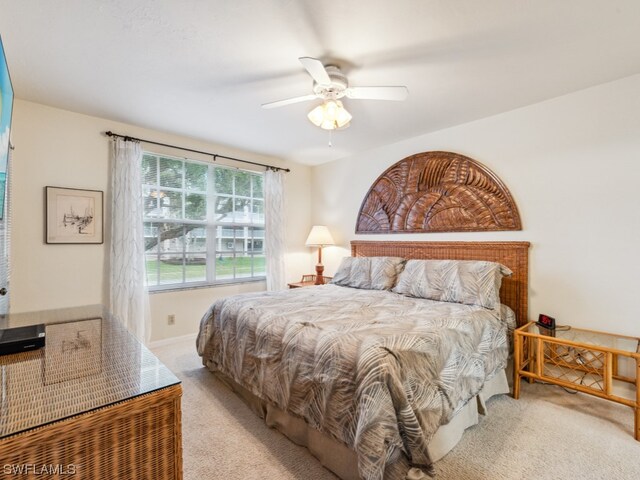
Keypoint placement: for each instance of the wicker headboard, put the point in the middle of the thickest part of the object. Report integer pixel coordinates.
(515, 255)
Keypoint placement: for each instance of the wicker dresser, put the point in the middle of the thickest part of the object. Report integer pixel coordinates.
(94, 403)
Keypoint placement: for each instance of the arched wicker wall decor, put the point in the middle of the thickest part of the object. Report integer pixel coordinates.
(437, 192)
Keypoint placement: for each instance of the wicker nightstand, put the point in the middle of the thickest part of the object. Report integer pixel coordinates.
(582, 360)
(308, 281)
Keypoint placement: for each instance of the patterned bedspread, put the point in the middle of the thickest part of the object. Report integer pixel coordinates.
(375, 370)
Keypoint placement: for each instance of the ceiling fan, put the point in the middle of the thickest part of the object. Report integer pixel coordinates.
(330, 85)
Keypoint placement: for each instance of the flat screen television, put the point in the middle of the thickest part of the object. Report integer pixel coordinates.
(6, 109)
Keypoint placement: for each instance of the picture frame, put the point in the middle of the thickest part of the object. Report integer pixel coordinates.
(73, 216)
(6, 111)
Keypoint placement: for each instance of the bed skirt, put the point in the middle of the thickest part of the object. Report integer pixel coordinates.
(339, 458)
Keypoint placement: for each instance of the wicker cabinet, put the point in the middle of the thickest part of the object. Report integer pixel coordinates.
(93, 403)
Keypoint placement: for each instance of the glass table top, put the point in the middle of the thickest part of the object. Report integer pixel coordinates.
(89, 361)
(600, 339)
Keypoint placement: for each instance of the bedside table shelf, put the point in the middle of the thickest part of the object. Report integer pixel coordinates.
(308, 281)
(584, 360)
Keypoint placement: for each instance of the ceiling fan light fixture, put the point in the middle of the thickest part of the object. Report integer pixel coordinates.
(330, 115)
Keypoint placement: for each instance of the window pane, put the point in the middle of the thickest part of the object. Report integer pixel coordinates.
(196, 238)
(243, 184)
(150, 199)
(258, 212)
(224, 266)
(195, 206)
(171, 237)
(171, 269)
(242, 210)
(257, 185)
(150, 169)
(150, 237)
(223, 180)
(171, 172)
(224, 209)
(255, 246)
(225, 239)
(170, 204)
(195, 176)
(152, 269)
(258, 232)
(243, 265)
(225, 232)
(196, 268)
(259, 269)
(237, 239)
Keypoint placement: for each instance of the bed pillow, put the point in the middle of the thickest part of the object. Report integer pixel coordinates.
(459, 281)
(372, 273)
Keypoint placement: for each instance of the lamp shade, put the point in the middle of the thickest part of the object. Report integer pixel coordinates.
(319, 236)
(330, 115)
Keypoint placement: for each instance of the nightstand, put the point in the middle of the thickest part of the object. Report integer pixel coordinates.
(308, 281)
(582, 360)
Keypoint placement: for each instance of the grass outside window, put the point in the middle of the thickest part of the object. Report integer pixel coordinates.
(172, 272)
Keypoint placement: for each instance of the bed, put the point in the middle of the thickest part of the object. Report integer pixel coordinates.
(377, 384)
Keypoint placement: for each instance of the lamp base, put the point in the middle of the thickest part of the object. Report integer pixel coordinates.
(319, 274)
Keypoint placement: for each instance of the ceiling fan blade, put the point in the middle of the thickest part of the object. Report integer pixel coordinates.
(316, 70)
(377, 93)
(289, 101)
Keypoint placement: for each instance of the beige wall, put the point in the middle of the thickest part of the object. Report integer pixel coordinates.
(61, 148)
(573, 166)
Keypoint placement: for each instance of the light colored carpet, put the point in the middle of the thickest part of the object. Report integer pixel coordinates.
(547, 434)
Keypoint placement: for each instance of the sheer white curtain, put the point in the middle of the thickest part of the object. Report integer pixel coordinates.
(274, 228)
(129, 300)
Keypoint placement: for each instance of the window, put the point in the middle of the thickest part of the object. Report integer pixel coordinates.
(203, 223)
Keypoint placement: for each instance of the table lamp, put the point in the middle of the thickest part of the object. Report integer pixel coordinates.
(319, 237)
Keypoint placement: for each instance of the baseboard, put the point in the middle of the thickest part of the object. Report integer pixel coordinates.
(172, 340)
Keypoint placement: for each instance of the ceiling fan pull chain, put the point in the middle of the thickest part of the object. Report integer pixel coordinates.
(330, 135)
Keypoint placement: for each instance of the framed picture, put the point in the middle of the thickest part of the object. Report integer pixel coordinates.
(73, 215)
(6, 108)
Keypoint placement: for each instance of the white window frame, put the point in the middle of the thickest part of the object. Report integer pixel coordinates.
(211, 225)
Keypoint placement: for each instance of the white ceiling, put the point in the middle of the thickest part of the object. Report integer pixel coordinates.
(203, 68)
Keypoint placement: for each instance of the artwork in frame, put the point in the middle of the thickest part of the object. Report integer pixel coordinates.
(6, 109)
(73, 215)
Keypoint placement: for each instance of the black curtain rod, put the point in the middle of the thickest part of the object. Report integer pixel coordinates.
(214, 155)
